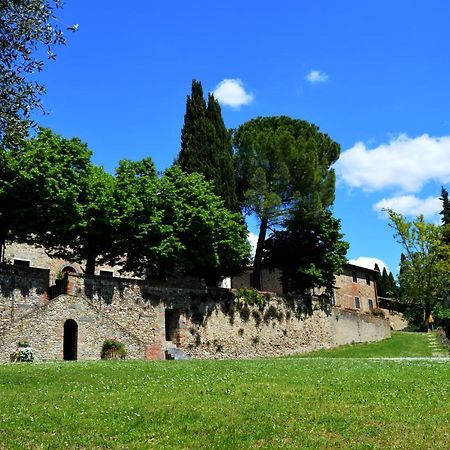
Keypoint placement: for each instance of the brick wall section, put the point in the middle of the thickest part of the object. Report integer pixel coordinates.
(22, 290)
(346, 289)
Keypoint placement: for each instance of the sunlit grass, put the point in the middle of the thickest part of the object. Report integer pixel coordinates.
(267, 403)
(401, 344)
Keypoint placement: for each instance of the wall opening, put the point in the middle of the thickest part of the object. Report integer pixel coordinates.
(70, 340)
(172, 322)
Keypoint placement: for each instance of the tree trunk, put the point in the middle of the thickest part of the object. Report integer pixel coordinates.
(90, 263)
(256, 275)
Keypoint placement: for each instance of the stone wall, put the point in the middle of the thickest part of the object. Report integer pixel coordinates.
(205, 323)
(270, 280)
(22, 290)
(44, 330)
(348, 327)
(247, 332)
(38, 257)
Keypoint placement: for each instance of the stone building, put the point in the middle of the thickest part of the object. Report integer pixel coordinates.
(356, 289)
(64, 314)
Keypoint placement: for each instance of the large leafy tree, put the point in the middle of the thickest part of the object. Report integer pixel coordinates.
(90, 237)
(425, 268)
(141, 238)
(206, 145)
(209, 241)
(28, 29)
(175, 224)
(281, 163)
(310, 251)
(53, 196)
(40, 187)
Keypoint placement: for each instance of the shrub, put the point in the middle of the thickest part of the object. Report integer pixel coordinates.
(23, 353)
(251, 297)
(378, 312)
(113, 349)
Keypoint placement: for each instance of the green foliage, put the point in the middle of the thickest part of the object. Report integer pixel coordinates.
(378, 312)
(206, 145)
(41, 187)
(23, 353)
(113, 349)
(281, 163)
(310, 251)
(251, 297)
(209, 241)
(425, 268)
(27, 30)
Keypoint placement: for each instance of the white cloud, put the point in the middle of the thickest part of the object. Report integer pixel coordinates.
(410, 205)
(369, 262)
(404, 163)
(231, 92)
(253, 239)
(316, 76)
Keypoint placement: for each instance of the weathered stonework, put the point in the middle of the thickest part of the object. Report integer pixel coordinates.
(22, 290)
(206, 323)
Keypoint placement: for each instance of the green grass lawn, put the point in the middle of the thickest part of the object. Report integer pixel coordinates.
(401, 344)
(267, 403)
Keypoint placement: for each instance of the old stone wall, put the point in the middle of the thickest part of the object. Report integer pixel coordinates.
(270, 280)
(348, 327)
(44, 330)
(22, 290)
(247, 332)
(205, 323)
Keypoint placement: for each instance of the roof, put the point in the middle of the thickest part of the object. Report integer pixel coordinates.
(361, 268)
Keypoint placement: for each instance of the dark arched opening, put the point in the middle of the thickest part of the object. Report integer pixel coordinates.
(68, 269)
(70, 340)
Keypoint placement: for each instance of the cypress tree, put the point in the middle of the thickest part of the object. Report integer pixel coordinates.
(225, 177)
(378, 281)
(206, 145)
(384, 282)
(445, 213)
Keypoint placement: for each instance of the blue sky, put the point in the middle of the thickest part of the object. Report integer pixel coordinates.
(372, 75)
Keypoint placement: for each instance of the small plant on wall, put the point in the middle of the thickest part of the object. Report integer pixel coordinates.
(23, 353)
(113, 349)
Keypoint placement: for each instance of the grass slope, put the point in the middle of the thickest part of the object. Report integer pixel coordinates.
(401, 344)
(267, 403)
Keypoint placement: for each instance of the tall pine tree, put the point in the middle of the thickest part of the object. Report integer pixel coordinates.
(206, 145)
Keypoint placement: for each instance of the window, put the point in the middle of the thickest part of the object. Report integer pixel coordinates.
(355, 277)
(106, 273)
(357, 303)
(370, 302)
(22, 262)
(368, 279)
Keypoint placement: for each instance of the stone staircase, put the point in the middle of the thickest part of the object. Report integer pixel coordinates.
(173, 352)
(435, 346)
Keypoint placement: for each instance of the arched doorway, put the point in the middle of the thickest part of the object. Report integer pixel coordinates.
(70, 340)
